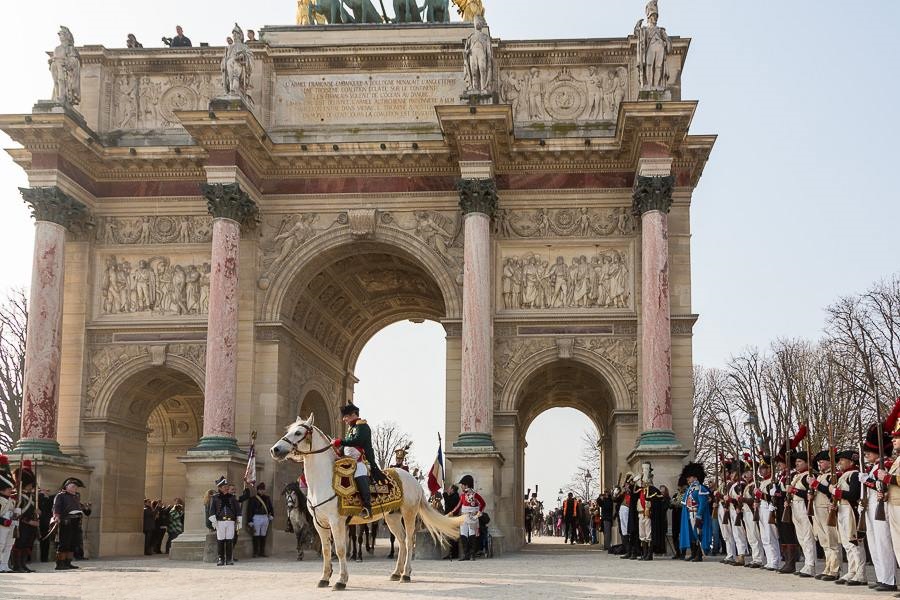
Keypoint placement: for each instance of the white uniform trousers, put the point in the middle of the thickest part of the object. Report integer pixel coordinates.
(804, 535)
(893, 517)
(6, 544)
(623, 519)
(644, 528)
(768, 535)
(224, 530)
(725, 529)
(829, 540)
(856, 564)
(751, 529)
(740, 536)
(260, 525)
(879, 538)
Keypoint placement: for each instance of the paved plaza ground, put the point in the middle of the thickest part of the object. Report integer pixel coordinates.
(545, 570)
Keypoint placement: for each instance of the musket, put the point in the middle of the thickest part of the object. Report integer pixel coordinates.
(755, 488)
(739, 511)
(879, 486)
(863, 495)
(833, 509)
(809, 457)
(18, 496)
(384, 13)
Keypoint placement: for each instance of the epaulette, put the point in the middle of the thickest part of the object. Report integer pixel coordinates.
(361, 422)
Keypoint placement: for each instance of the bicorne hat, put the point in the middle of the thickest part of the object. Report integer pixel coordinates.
(349, 409)
(851, 455)
(69, 480)
(221, 481)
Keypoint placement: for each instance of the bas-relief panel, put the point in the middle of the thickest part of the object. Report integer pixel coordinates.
(565, 94)
(564, 222)
(303, 100)
(154, 230)
(150, 101)
(566, 277)
(147, 285)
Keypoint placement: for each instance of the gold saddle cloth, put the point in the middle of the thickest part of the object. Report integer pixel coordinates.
(386, 497)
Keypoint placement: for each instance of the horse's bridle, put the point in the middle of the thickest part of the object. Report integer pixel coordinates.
(306, 436)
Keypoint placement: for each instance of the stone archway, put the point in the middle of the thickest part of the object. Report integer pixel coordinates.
(314, 404)
(147, 416)
(583, 382)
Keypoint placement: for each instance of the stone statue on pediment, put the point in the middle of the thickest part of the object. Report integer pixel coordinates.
(479, 61)
(653, 46)
(237, 66)
(65, 66)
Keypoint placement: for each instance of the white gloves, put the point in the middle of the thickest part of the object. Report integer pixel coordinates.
(212, 519)
(17, 511)
(240, 522)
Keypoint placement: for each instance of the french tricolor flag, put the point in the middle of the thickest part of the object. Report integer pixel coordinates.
(436, 474)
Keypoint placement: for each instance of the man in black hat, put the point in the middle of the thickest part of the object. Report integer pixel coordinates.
(28, 523)
(847, 493)
(67, 512)
(8, 513)
(358, 444)
(261, 514)
(225, 516)
(471, 506)
(799, 492)
(826, 536)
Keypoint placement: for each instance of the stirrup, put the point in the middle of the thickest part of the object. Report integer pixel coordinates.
(365, 513)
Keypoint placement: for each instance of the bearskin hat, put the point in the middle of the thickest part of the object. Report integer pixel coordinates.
(693, 469)
(468, 481)
(871, 443)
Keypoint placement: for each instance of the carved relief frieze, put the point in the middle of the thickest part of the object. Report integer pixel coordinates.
(565, 94)
(151, 101)
(509, 353)
(283, 236)
(440, 231)
(621, 353)
(570, 278)
(155, 230)
(153, 285)
(564, 222)
(305, 373)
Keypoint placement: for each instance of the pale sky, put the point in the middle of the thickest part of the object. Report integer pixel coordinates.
(797, 205)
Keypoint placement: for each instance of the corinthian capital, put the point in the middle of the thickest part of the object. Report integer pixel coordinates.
(652, 193)
(229, 201)
(477, 195)
(53, 205)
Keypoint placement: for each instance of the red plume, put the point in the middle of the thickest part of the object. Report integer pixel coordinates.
(891, 420)
(801, 434)
(746, 456)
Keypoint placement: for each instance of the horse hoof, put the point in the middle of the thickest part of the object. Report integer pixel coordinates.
(323, 583)
(395, 577)
(406, 579)
(339, 587)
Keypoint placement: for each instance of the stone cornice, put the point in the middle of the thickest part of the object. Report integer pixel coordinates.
(53, 205)
(652, 193)
(229, 201)
(477, 196)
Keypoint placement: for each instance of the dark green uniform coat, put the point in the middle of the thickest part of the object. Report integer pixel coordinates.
(360, 436)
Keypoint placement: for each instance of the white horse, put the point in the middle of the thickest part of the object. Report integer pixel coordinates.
(306, 442)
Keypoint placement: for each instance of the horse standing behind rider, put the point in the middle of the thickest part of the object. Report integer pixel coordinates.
(304, 442)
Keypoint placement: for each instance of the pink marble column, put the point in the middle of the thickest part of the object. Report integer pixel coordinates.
(230, 207)
(53, 212)
(478, 199)
(652, 200)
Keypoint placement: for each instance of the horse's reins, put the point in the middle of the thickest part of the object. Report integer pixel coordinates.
(297, 450)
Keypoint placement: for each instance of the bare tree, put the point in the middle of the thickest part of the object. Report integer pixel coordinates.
(387, 437)
(13, 325)
(585, 482)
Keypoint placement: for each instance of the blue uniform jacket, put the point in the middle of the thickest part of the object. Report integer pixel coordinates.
(697, 495)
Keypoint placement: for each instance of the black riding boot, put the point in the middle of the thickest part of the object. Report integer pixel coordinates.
(365, 494)
(626, 541)
(262, 546)
(229, 552)
(464, 541)
(221, 551)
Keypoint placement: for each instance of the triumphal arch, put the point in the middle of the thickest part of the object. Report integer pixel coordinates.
(219, 231)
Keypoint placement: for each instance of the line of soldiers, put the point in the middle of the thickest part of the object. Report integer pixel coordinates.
(773, 509)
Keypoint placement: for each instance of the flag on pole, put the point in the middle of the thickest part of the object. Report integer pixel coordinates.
(250, 471)
(436, 474)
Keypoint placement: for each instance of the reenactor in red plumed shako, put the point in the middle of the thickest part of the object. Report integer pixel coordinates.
(28, 517)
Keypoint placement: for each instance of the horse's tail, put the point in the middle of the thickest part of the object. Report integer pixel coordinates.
(438, 525)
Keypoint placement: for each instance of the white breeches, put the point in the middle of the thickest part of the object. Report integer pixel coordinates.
(361, 469)
(829, 540)
(740, 536)
(470, 525)
(260, 524)
(856, 565)
(727, 535)
(751, 528)
(623, 519)
(644, 528)
(6, 544)
(768, 535)
(880, 547)
(224, 530)
(804, 535)
(893, 517)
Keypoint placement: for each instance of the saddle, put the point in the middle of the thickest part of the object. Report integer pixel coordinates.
(386, 497)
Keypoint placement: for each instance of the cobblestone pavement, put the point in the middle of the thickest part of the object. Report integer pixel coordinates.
(543, 571)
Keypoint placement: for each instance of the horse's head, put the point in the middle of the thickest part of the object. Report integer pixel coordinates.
(300, 432)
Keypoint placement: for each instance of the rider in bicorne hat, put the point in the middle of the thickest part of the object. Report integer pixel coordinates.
(358, 445)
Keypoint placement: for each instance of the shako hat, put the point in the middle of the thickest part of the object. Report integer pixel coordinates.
(6, 478)
(221, 481)
(349, 409)
(25, 475)
(892, 424)
(468, 481)
(693, 469)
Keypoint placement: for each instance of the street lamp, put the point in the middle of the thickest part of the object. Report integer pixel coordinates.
(587, 485)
